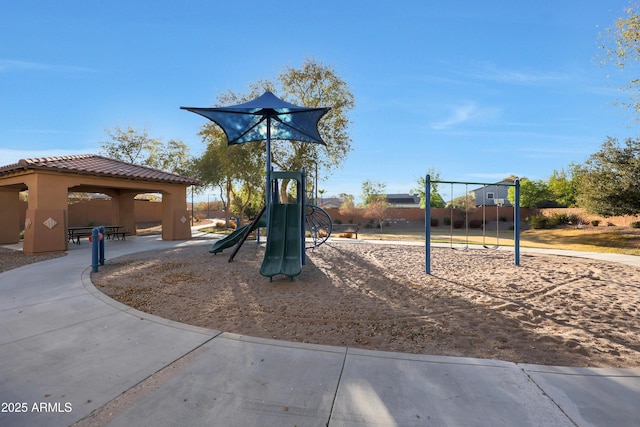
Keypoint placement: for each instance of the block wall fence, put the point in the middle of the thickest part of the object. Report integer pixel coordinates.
(96, 212)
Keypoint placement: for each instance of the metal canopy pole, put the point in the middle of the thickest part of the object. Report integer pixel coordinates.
(427, 224)
(267, 188)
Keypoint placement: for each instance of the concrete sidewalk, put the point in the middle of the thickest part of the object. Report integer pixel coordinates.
(68, 353)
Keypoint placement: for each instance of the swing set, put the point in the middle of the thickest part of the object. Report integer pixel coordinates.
(498, 203)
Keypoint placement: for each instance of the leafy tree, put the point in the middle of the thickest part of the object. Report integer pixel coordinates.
(511, 178)
(246, 201)
(174, 156)
(608, 181)
(317, 85)
(138, 148)
(377, 209)
(562, 187)
(621, 45)
(130, 146)
(532, 192)
(372, 191)
(222, 166)
(436, 200)
(348, 208)
(321, 191)
(312, 85)
(466, 202)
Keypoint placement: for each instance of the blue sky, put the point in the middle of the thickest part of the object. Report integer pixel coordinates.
(477, 90)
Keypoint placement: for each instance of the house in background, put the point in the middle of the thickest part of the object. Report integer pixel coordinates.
(403, 200)
(492, 195)
(329, 202)
(394, 200)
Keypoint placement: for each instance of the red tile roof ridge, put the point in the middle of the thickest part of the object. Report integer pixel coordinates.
(98, 165)
(34, 160)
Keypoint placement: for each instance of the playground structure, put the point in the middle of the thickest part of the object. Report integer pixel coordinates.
(516, 219)
(262, 119)
(287, 225)
(284, 253)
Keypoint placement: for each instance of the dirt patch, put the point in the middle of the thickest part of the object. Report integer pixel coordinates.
(10, 259)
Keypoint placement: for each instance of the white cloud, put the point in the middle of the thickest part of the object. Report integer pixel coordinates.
(17, 65)
(466, 112)
(488, 71)
(459, 114)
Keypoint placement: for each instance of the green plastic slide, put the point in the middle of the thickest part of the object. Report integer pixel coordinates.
(239, 235)
(230, 240)
(283, 252)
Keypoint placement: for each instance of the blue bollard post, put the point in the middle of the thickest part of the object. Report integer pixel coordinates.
(101, 245)
(427, 224)
(94, 250)
(516, 223)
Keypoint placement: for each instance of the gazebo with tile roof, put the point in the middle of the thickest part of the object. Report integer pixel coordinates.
(49, 180)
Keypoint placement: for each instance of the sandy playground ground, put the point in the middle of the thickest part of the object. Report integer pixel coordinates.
(552, 310)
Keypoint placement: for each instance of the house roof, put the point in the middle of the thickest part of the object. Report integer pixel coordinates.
(410, 199)
(91, 164)
(330, 202)
(501, 183)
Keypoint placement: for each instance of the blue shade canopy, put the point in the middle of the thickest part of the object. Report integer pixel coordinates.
(248, 121)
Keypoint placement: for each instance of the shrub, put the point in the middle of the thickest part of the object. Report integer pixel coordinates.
(560, 218)
(576, 219)
(434, 222)
(635, 224)
(595, 222)
(446, 220)
(337, 221)
(502, 219)
(458, 223)
(475, 223)
(540, 222)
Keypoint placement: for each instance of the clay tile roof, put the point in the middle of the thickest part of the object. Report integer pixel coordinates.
(91, 164)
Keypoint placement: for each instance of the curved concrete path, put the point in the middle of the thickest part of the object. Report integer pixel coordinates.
(69, 354)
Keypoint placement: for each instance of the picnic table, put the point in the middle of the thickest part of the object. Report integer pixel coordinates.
(110, 231)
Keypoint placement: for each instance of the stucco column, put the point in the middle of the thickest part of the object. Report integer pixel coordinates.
(45, 225)
(9, 215)
(175, 217)
(122, 205)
